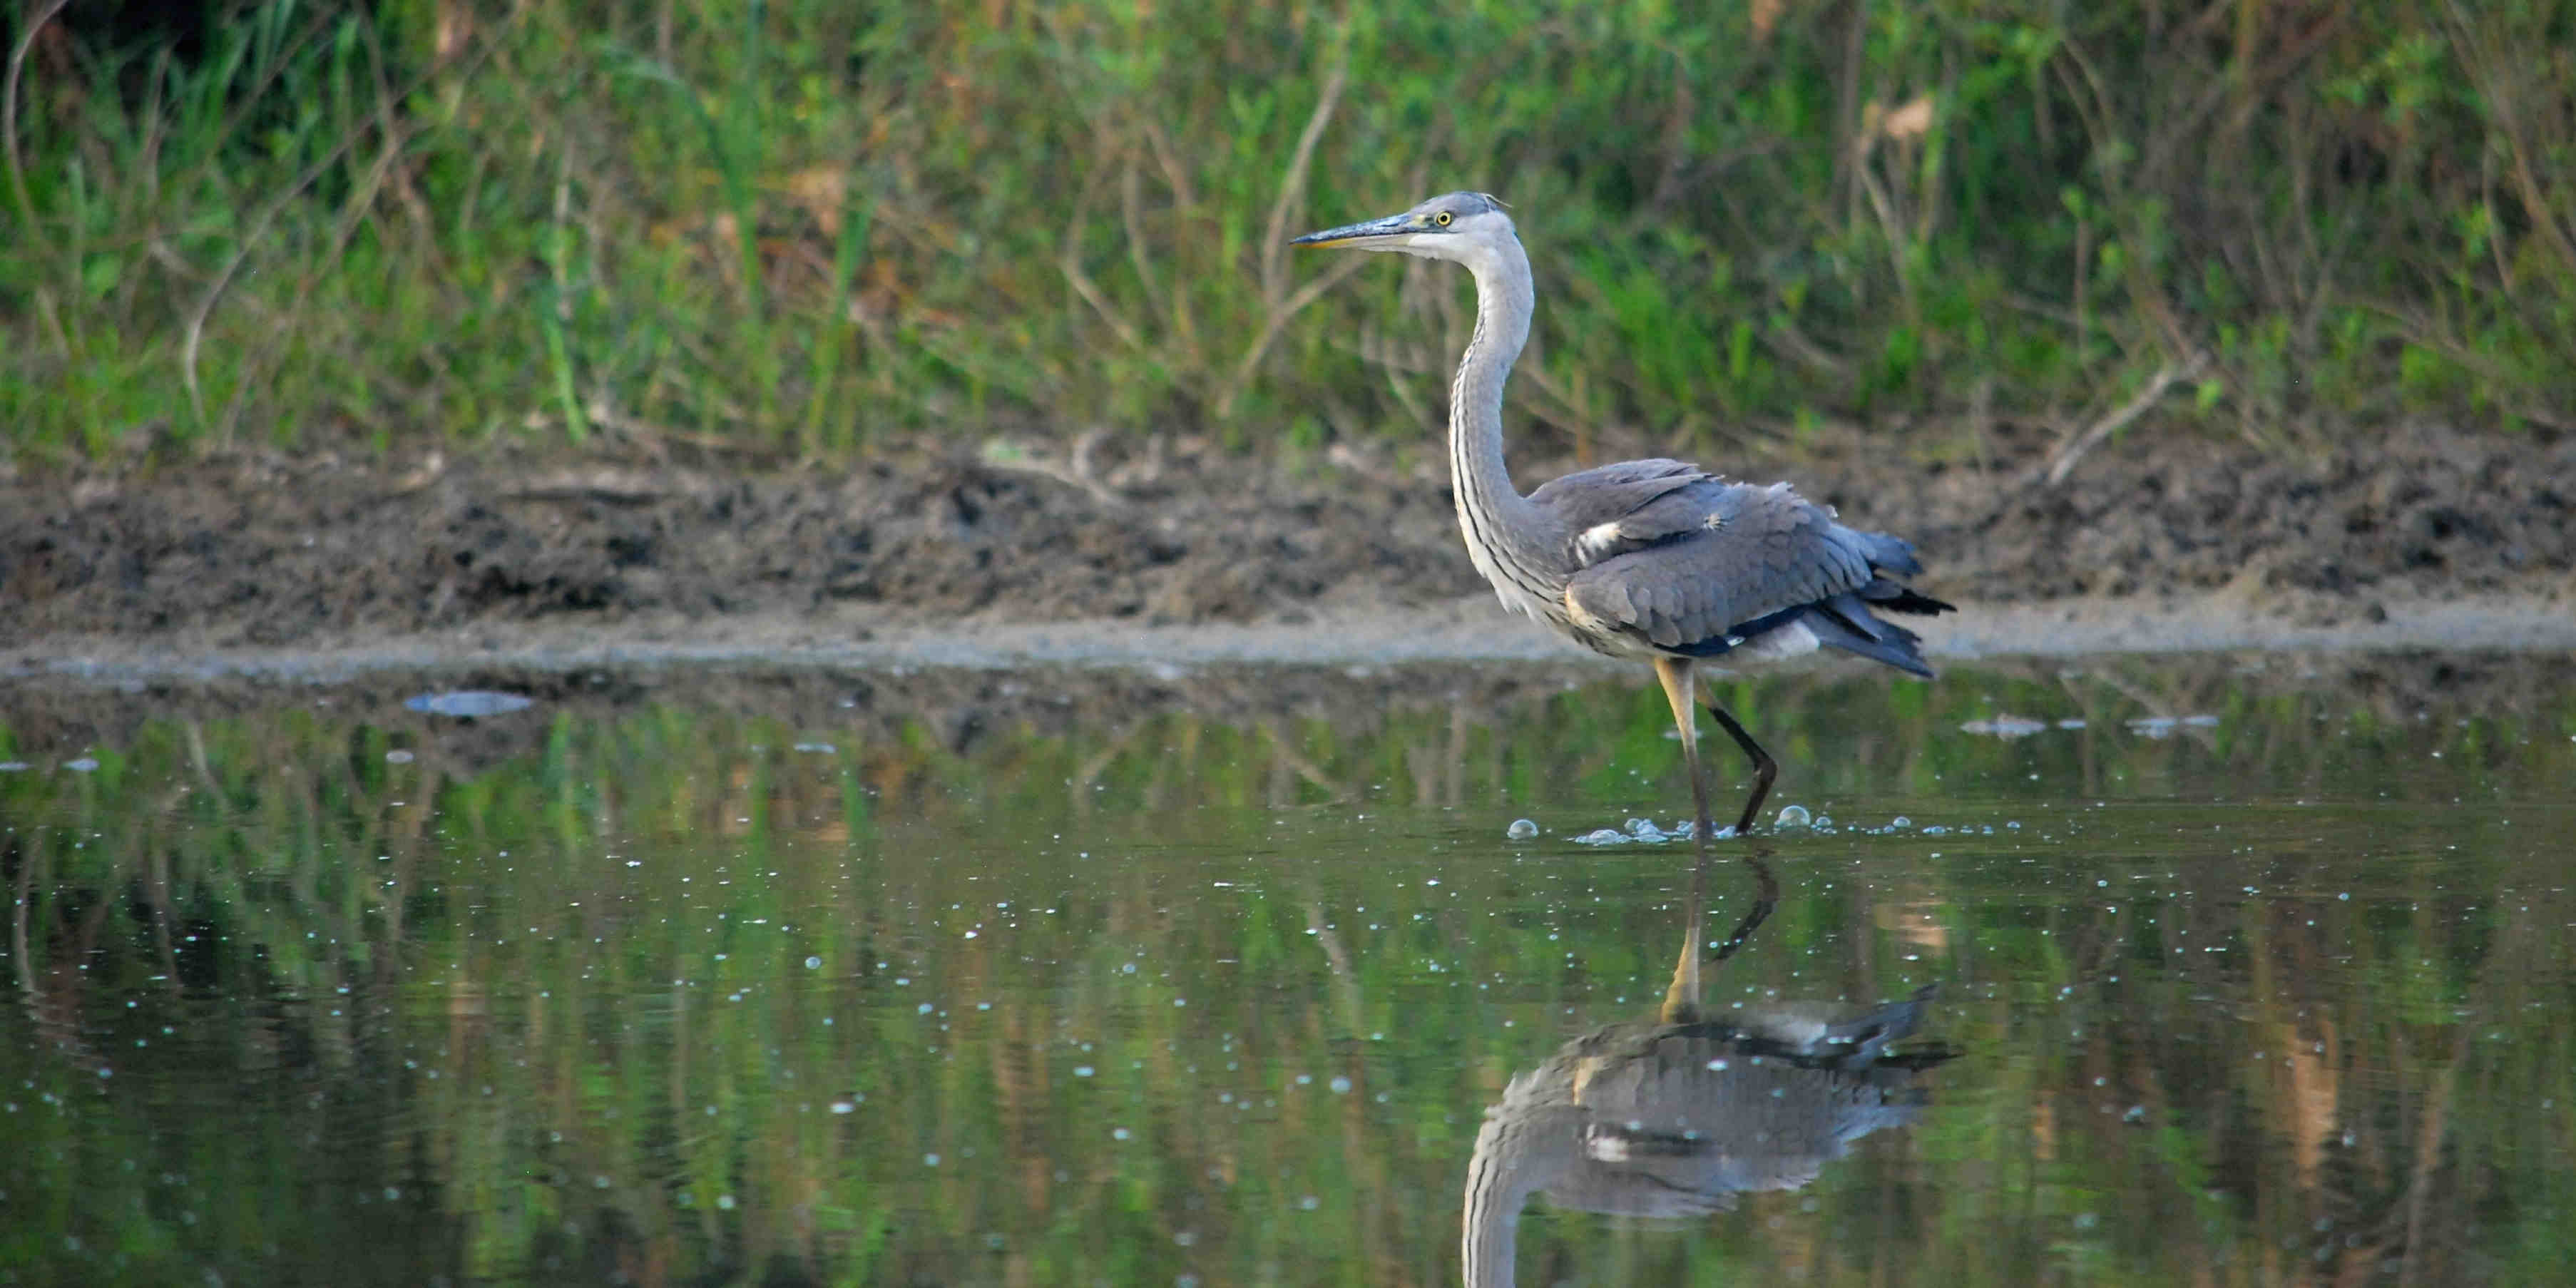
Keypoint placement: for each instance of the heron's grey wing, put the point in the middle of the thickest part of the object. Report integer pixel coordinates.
(1595, 505)
(1680, 1128)
(1702, 560)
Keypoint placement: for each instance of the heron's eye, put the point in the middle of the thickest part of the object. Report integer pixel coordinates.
(1441, 219)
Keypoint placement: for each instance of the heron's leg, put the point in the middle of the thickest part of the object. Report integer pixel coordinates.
(1681, 997)
(1764, 768)
(1675, 672)
(1766, 895)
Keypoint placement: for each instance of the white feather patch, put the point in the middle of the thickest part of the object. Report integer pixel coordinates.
(1595, 541)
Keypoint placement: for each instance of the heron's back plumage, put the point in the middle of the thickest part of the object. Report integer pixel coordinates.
(1665, 558)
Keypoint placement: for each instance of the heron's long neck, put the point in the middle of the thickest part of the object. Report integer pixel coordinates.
(1508, 537)
(1516, 1156)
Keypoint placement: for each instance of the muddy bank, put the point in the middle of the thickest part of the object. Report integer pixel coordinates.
(263, 551)
(1450, 633)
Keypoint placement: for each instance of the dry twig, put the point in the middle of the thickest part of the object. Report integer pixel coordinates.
(2062, 461)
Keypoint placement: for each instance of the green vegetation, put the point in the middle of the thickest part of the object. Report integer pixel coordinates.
(800, 225)
(558, 1000)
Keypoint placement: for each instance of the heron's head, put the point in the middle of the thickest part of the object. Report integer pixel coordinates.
(1458, 225)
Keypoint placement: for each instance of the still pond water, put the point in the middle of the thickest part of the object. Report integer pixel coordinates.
(2202, 971)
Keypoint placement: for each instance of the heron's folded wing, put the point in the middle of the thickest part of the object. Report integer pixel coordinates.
(1598, 506)
(1714, 557)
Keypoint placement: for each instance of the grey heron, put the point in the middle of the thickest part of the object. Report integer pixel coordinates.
(1656, 559)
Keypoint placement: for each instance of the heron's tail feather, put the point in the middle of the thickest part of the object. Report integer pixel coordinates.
(1867, 1037)
(1884, 594)
(1890, 558)
(1891, 554)
(1845, 622)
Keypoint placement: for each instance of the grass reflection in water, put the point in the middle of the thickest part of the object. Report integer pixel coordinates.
(1010, 989)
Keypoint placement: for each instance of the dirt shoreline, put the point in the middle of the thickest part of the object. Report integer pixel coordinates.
(1470, 630)
(1163, 552)
(1092, 677)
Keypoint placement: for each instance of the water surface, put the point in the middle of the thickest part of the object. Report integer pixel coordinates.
(2237, 975)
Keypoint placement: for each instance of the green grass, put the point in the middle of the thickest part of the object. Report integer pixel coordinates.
(801, 225)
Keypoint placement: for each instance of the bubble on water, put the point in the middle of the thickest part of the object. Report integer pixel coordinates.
(930, 1160)
(1521, 830)
(1899, 823)
(1340, 1085)
(84, 765)
(1602, 836)
(2071, 722)
(845, 1105)
(823, 748)
(1083, 1071)
(813, 963)
(1121, 1133)
(1791, 816)
(725, 1201)
(2004, 726)
(398, 757)
(466, 703)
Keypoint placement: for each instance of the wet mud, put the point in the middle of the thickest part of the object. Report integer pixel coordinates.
(267, 550)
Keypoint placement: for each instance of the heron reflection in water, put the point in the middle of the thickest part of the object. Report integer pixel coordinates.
(1675, 1116)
